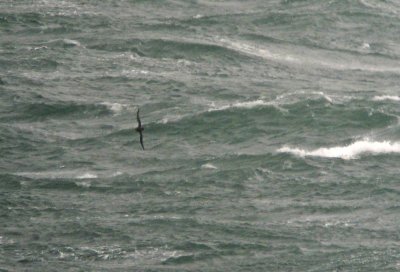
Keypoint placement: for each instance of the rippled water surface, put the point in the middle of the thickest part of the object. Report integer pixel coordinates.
(272, 135)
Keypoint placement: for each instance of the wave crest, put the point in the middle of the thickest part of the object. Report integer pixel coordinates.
(347, 152)
(247, 105)
(386, 97)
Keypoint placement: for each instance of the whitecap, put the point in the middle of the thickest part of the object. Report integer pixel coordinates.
(114, 107)
(287, 98)
(115, 174)
(6, 241)
(326, 97)
(208, 166)
(71, 42)
(87, 176)
(170, 119)
(250, 104)
(84, 184)
(184, 62)
(46, 174)
(57, 174)
(40, 47)
(247, 105)
(365, 46)
(134, 72)
(386, 97)
(346, 152)
(154, 254)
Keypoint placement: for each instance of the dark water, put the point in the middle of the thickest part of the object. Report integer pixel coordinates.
(272, 135)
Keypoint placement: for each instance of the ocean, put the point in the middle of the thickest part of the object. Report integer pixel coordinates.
(271, 135)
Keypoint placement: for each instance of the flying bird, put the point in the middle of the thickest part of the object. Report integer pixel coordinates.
(140, 129)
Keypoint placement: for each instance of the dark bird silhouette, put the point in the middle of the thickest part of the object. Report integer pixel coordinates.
(140, 128)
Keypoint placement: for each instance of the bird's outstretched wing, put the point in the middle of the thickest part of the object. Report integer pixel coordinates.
(138, 119)
(141, 139)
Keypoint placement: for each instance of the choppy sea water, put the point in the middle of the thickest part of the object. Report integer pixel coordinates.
(272, 135)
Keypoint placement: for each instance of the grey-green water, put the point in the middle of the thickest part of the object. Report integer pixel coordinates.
(272, 135)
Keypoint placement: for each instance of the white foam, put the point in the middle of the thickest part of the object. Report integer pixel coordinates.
(71, 42)
(84, 184)
(365, 46)
(87, 176)
(347, 152)
(40, 47)
(258, 103)
(170, 119)
(134, 72)
(184, 62)
(326, 97)
(386, 97)
(46, 174)
(248, 105)
(208, 166)
(68, 174)
(298, 96)
(114, 107)
(116, 174)
(5, 240)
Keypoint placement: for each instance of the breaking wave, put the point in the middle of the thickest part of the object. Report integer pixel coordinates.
(247, 105)
(351, 151)
(386, 97)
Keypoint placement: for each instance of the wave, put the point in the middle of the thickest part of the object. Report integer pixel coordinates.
(317, 58)
(62, 179)
(257, 51)
(65, 174)
(388, 8)
(171, 119)
(87, 176)
(60, 110)
(351, 151)
(61, 43)
(186, 50)
(297, 103)
(209, 166)
(247, 105)
(69, 42)
(167, 48)
(213, 107)
(386, 97)
(285, 99)
(298, 95)
(116, 108)
(9, 181)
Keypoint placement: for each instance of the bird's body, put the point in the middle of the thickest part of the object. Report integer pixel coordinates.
(140, 129)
